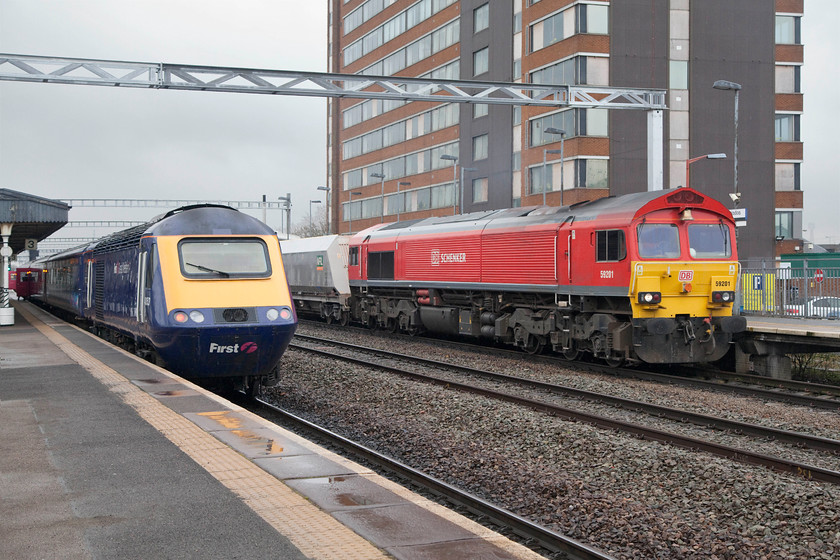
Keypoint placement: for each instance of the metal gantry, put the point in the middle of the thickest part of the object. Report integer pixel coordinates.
(160, 75)
(167, 203)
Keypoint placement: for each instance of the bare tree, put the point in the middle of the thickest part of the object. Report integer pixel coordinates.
(318, 224)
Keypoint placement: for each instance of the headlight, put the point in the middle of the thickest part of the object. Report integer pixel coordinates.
(272, 314)
(650, 298)
(286, 314)
(723, 297)
(197, 316)
(180, 317)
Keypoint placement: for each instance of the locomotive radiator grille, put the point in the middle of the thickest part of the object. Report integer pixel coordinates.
(235, 315)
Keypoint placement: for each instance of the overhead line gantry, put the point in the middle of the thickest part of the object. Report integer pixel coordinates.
(160, 75)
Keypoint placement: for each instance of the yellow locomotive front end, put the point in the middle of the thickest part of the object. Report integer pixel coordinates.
(683, 288)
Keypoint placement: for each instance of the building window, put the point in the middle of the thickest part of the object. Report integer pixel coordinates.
(479, 190)
(480, 110)
(541, 178)
(592, 174)
(678, 74)
(788, 79)
(563, 120)
(593, 19)
(788, 30)
(788, 177)
(787, 128)
(481, 18)
(481, 61)
(480, 146)
(784, 225)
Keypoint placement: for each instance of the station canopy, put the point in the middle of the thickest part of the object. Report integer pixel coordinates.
(32, 217)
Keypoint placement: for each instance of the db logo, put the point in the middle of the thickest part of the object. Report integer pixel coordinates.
(686, 276)
(435, 257)
(248, 347)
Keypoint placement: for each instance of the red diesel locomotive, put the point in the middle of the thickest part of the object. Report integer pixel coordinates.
(645, 277)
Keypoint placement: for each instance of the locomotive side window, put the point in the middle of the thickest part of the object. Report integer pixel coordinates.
(610, 245)
(709, 241)
(658, 241)
(381, 265)
(354, 256)
(224, 258)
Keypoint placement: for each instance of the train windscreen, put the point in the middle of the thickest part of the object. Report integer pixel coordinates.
(709, 241)
(224, 258)
(658, 241)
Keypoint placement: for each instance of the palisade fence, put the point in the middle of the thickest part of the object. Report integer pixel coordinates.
(783, 289)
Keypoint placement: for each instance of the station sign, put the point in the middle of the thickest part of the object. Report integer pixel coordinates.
(740, 216)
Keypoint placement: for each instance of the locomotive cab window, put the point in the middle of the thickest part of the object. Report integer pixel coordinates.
(213, 258)
(354, 256)
(658, 241)
(610, 245)
(709, 241)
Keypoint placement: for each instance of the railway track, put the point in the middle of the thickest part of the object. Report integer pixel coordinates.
(531, 532)
(819, 396)
(389, 361)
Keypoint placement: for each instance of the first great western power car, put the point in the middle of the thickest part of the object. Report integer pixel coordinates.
(201, 290)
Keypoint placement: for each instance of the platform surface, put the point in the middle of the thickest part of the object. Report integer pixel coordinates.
(103, 455)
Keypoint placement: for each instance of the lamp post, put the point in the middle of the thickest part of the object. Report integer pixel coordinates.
(311, 202)
(350, 210)
(381, 176)
(732, 86)
(454, 160)
(327, 191)
(698, 158)
(399, 201)
(562, 133)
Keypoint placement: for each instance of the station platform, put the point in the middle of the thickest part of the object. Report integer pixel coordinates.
(104, 455)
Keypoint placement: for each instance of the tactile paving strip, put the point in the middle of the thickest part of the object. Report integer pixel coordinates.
(315, 533)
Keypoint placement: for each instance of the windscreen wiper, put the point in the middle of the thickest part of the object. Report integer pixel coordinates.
(221, 273)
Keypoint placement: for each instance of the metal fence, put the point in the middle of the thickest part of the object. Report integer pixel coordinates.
(790, 290)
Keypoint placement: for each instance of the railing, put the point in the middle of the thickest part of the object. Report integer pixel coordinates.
(799, 290)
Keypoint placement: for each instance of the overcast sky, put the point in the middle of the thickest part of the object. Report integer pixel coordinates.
(63, 141)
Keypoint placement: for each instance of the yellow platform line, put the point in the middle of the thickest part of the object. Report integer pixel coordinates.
(315, 533)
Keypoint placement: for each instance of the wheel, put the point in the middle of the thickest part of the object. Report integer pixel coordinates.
(392, 324)
(345, 318)
(329, 319)
(534, 344)
(614, 361)
(572, 352)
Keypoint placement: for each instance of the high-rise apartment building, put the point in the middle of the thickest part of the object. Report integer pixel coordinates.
(392, 159)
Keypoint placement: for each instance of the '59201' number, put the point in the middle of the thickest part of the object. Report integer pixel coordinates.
(607, 274)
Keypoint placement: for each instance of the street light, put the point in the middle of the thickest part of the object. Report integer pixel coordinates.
(399, 201)
(327, 191)
(698, 158)
(311, 202)
(732, 86)
(562, 133)
(350, 209)
(381, 176)
(454, 160)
